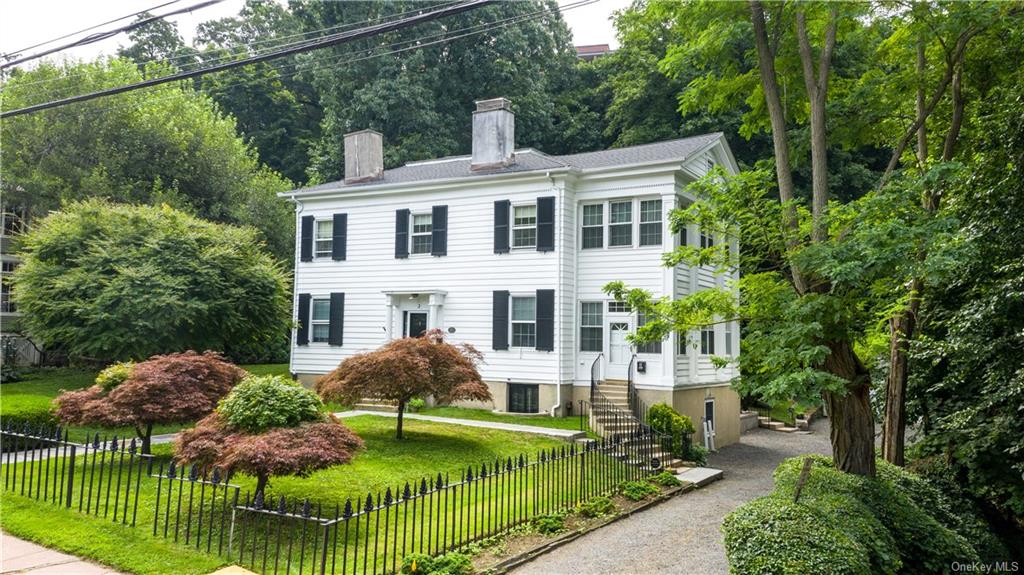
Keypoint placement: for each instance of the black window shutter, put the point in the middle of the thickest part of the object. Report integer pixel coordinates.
(338, 246)
(499, 336)
(546, 320)
(439, 233)
(402, 234)
(546, 224)
(303, 336)
(306, 242)
(336, 328)
(501, 212)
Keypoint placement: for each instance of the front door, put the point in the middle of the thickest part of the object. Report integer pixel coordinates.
(618, 349)
(415, 324)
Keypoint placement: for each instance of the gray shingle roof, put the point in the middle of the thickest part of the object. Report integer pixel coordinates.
(532, 161)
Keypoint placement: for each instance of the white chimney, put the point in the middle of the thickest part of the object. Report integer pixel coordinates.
(364, 156)
(494, 131)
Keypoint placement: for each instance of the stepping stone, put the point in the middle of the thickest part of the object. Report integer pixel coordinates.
(700, 476)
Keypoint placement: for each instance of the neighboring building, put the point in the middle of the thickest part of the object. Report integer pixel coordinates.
(509, 250)
(592, 51)
(12, 223)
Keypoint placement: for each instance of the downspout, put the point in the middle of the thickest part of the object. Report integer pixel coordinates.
(295, 291)
(558, 296)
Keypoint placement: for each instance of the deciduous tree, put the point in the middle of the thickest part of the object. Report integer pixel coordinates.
(174, 388)
(407, 368)
(268, 426)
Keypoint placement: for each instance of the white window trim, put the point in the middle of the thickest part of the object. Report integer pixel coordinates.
(512, 322)
(632, 224)
(317, 253)
(312, 307)
(512, 228)
(413, 234)
(640, 221)
(601, 226)
(729, 338)
(707, 240)
(600, 325)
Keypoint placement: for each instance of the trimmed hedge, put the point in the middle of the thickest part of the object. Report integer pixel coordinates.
(847, 524)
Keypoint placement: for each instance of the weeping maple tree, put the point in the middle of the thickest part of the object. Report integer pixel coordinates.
(405, 369)
(173, 388)
(268, 426)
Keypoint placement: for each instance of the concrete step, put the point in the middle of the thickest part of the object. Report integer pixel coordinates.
(370, 405)
(700, 476)
(613, 383)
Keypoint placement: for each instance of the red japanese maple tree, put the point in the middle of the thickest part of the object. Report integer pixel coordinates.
(173, 388)
(290, 439)
(405, 369)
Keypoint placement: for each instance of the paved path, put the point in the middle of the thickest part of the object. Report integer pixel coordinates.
(20, 556)
(681, 536)
(566, 434)
(37, 454)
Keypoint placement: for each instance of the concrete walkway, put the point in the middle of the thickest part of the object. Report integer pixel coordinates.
(20, 556)
(566, 434)
(682, 536)
(38, 454)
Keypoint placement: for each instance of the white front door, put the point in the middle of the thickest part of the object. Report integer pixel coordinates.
(618, 349)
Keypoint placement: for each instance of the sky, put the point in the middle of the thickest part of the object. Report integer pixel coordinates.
(27, 22)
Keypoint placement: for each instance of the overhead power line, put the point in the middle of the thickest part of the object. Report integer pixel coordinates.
(327, 41)
(17, 52)
(93, 38)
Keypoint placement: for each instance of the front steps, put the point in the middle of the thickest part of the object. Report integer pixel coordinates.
(372, 404)
(620, 421)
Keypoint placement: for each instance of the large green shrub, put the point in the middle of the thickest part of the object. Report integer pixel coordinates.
(114, 375)
(262, 402)
(845, 523)
(113, 282)
(663, 419)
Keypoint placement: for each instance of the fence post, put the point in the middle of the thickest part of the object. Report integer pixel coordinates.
(71, 476)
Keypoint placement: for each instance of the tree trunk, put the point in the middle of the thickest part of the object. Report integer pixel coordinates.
(894, 419)
(146, 437)
(853, 426)
(262, 480)
(401, 413)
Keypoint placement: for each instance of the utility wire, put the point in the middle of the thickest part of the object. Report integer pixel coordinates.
(324, 42)
(17, 52)
(417, 43)
(98, 36)
(237, 51)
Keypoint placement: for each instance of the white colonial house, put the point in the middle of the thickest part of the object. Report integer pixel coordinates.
(509, 250)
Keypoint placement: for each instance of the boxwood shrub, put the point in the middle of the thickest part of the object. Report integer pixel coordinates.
(845, 523)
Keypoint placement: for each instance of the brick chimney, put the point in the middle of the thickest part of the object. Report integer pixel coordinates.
(494, 130)
(364, 156)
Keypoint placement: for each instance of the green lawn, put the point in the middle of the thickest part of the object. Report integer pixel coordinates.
(572, 423)
(40, 386)
(428, 449)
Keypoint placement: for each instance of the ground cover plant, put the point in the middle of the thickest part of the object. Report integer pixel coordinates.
(848, 524)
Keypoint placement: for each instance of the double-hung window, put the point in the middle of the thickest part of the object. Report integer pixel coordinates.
(650, 223)
(593, 226)
(707, 340)
(422, 233)
(681, 343)
(591, 327)
(728, 339)
(524, 322)
(321, 320)
(620, 223)
(324, 238)
(706, 240)
(524, 226)
(651, 347)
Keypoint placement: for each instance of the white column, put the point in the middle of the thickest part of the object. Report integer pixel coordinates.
(389, 317)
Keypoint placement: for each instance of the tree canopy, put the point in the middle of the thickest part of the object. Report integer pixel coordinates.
(174, 388)
(408, 368)
(109, 282)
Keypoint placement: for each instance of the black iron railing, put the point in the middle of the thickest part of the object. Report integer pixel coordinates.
(595, 375)
(201, 509)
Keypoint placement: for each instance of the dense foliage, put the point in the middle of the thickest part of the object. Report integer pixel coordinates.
(245, 433)
(405, 369)
(165, 145)
(843, 523)
(113, 282)
(262, 402)
(174, 388)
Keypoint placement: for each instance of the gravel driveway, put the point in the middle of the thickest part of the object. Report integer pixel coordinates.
(682, 536)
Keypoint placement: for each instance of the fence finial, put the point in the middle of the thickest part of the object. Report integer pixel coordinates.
(423, 486)
(215, 479)
(440, 481)
(387, 497)
(257, 503)
(171, 470)
(306, 509)
(282, 508)
(369, 503)
(407, 492)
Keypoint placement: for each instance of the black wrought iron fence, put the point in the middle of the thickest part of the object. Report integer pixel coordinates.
(200, 508)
